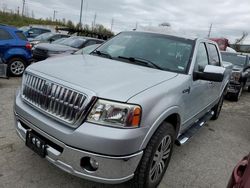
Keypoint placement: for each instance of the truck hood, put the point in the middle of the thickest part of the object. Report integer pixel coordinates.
(105, 78)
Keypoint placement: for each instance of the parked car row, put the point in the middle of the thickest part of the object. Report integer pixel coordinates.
(18, 52)
(64, 47)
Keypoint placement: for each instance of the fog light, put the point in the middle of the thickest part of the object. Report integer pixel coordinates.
(89, 164)
(94, 163)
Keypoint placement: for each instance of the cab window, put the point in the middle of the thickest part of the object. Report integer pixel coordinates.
(201, 58)
(213, 55)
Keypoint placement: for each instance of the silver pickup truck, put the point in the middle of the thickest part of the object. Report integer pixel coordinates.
(114, 115)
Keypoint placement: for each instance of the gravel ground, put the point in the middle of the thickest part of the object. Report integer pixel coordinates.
(205, 161)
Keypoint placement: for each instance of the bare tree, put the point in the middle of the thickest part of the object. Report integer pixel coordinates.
(240, 40)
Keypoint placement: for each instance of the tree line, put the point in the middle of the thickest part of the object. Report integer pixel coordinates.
(13, 19)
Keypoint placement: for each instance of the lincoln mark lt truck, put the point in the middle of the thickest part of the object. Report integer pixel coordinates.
(114, 115)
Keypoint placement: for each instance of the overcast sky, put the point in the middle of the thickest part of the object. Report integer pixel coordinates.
(229, 17)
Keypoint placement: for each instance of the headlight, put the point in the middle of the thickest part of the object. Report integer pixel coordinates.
(236, 76)
(115, 114)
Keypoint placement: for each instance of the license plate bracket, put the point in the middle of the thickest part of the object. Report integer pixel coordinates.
(36, 143)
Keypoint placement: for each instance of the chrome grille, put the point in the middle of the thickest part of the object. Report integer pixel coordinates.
(60, 102)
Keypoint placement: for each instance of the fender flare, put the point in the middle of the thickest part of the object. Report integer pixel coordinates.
(170, 111)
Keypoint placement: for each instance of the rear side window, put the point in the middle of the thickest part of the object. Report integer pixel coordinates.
(4, 35)
(213, 55)
(20, 35)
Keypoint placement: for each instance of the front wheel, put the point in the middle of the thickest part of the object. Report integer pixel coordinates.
(156, 158)
(16, 67)
(236, 97)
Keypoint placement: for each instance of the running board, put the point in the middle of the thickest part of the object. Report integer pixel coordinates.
(182, 139)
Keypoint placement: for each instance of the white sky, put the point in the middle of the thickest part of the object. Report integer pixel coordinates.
(229, 17)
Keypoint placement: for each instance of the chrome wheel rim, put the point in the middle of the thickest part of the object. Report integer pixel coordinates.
(17, 67)
(160, 158)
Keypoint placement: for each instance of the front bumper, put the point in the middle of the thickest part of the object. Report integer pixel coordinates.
(112, 170)
(233, 88)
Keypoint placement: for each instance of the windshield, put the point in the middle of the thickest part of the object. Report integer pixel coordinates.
(163, 51)
(44, 36)
(235, 59)
(24, 28)
(74, 42)
(58, 41)
(87, 50)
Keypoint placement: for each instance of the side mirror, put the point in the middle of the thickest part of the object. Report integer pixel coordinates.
(51, 40)
(211, 73)
(30, 32)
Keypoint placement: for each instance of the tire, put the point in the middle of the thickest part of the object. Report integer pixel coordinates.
(248, 89)
(236, 97)
(156, 158)
(217, 108)
(16, 67)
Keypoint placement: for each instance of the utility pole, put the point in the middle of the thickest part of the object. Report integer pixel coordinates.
(94, 20)
(80, 22)
(210, 29)
(112, 24)
(54, 15)
(23, 7)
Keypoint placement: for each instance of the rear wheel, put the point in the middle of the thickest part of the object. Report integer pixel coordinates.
(16, 67)
(156, 158)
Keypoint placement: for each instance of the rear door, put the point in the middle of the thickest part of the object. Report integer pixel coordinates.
(5, 42)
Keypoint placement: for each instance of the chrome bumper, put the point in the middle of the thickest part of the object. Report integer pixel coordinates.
(112, 170)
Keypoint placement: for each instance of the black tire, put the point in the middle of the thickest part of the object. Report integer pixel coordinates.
(143, 179)
(236, 97)
(16, 67)
(217, 108)
(248, 89)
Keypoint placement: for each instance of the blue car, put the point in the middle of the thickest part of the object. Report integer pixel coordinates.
(15, 50)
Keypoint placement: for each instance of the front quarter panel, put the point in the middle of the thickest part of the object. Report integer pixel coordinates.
(160, 102)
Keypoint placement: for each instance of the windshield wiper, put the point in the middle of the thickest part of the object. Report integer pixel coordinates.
(102, 53)
(141, 61)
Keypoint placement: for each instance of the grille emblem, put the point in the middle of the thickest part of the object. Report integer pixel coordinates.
(46, 90)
